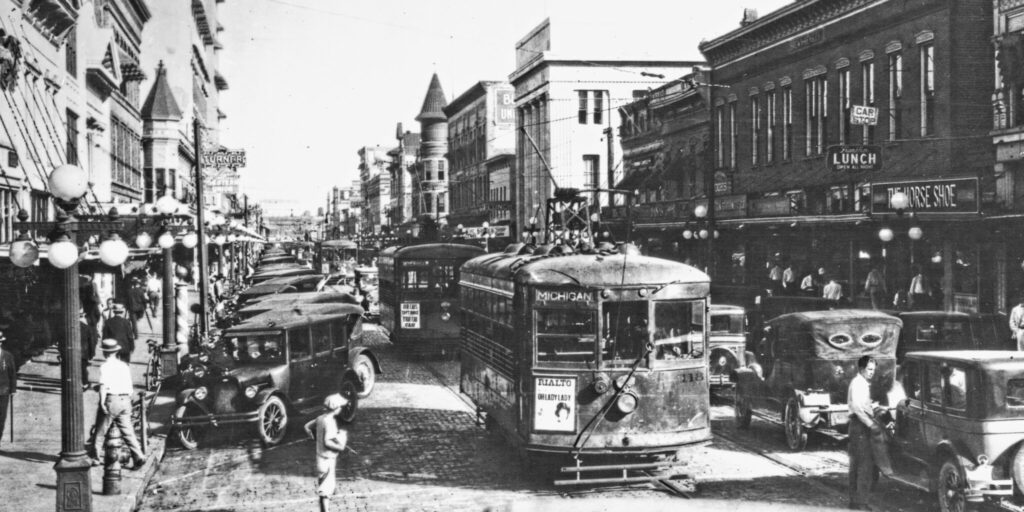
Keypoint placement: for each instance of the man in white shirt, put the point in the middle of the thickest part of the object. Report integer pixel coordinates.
(115, 405)
(1017, 322)
(833, 291)
(789, 279)
(867, 436)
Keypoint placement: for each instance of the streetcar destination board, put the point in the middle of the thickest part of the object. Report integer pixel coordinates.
(564, 296)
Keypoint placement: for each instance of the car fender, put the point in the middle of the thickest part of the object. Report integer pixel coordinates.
(947, 449)
(264, 394)
(809, 416)
(357, 351)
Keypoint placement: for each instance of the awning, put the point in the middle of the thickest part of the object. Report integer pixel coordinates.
(635, 179)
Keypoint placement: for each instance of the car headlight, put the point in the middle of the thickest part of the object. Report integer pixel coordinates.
(250, 392)
(627, 403)
(200, 393)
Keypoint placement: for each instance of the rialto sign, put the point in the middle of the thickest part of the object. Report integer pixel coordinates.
(929, 196)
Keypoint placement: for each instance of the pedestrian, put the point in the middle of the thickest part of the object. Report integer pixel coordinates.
(809, 284)
(154, 286)
(115, 407)
(874, 287)
(8, 382)
(330, 442)
(108, 312)
(775, 278)
(218, 288)
(1017, 322)
(919, 294)
(867, 441)
(89, 338)
(137, 303)
(119, 328)
(833, 291)
(89, 297)
(789, 279)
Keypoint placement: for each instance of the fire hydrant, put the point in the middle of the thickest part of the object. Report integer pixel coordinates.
(115, 455)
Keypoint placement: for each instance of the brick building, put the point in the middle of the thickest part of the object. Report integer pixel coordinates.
(481, 137)
(792, 81)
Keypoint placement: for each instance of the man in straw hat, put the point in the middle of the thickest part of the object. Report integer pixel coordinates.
(330, 442)
(121, 330)
(115, 405)
(8, 382)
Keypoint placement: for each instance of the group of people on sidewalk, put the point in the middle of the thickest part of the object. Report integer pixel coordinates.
(919, 293)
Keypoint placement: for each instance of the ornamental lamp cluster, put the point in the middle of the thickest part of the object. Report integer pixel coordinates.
(900, 203)
(700, 231)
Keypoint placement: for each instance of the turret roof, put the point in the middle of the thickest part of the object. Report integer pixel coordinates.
(434, 103)
(160, 103)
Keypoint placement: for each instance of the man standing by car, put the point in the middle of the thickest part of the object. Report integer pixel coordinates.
(1017, 322)
(867, 436)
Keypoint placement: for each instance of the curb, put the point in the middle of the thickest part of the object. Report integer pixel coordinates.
(156, 456)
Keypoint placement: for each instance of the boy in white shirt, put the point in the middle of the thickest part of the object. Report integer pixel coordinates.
(330, 442)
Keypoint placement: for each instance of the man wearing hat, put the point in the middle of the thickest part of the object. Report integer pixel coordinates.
(120, 329)
(8, 382)
(137, 303)
(115, 404)
(330, 442)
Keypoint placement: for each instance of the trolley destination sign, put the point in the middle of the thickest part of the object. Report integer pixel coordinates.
(565, 296)
(854, 158)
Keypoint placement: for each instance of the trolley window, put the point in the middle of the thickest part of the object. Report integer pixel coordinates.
(626, 332)
(678, 330)
(565, 335)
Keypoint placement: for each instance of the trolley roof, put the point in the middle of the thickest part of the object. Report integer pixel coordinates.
(588, 270)
(440, 250)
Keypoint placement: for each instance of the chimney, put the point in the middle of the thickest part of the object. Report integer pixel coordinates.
(749, 16)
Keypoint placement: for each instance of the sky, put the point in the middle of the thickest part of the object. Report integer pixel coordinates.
(312, 81)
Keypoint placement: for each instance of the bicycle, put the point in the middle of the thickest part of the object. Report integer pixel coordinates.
(154, 369)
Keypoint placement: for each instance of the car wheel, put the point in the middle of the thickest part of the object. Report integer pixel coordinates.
(349, 390)
(188, 437)
(272, 421)
(367, 375)
(742, 411)
(951, 486)
(796, 434)
(1018, 471)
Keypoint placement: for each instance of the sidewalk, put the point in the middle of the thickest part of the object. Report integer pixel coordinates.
(26, 465)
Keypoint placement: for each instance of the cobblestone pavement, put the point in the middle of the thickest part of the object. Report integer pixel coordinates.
(417, 446)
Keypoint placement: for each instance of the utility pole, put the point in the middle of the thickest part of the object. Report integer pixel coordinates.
(197, 140)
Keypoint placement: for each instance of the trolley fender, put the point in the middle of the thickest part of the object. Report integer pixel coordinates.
(183, 396)
(358, 351)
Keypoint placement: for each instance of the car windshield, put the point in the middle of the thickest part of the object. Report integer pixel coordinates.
(944, 331)
(676, 332)
(1015, 393)
(727, 323)
(264, 348)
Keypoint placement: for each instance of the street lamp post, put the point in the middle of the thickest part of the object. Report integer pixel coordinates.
(69, 184)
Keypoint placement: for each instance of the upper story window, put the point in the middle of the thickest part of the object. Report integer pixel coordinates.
(895, 95)
(787, 123)
(72, 136)
(755, 129)
(867, 74)
(927, 89)
(844, 105)
(733, 135)
(816, 114)
(591, 107)
(720, 136)
(769, 148)
(71, 52)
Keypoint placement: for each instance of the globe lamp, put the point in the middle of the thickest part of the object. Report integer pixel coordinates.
(700, 211)
(167, 205)
(63, 253)
(143, 240)
(885, 234)
(24, 252)
(113, 251)
(915, 233)
(166, 240)
(190, 240)
(69, 183)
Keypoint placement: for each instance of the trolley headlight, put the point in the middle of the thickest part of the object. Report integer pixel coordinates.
(200, 393)
(601, 383)
(445, 313)
(627, 403)
(446, 316)
(250, 392)
(722, 361)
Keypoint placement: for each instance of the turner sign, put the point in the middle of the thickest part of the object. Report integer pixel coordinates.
(223, 159)
(854, 158)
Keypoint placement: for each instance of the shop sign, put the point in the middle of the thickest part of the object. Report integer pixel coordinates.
(505, 106)
(777, 206)
(723, 185)
(864, 115)
(854, 158)
(554, 402)
(1006, 151)
(224, 159)
(731, 207)
(931, 196)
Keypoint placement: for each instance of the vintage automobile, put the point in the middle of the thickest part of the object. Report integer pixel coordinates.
(726, 343)
(958, 432)
(803, 364)
(279, 361)
(948, 330)
(289, 284)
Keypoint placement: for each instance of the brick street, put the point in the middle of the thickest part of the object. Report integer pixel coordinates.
(417, 446)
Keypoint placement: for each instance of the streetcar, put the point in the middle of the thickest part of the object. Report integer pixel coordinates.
(595, 359)
(419, 295)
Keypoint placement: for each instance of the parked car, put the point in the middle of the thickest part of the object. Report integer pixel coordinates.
(279, 361)
(803, 364)
(948, 330)
(293, 300)
(288, 270)
(288, 284)
(959, 431)
(726, 344)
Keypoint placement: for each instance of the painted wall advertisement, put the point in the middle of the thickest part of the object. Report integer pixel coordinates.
(410, 315)
(554, 404)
